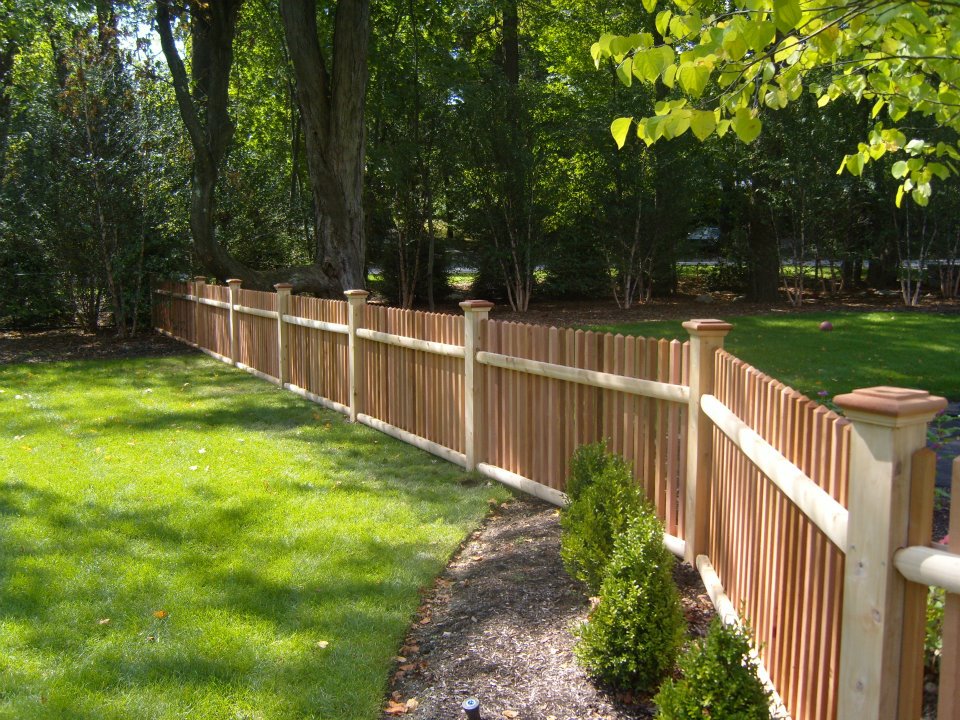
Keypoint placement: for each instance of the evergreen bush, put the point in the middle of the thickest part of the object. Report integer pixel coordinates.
(633, 636)
(604, 498)
(719, 680)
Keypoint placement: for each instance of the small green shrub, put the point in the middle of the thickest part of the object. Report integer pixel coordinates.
(633, 636)
(587, 463)
(604, 498)
(933, 642)
(719, 680)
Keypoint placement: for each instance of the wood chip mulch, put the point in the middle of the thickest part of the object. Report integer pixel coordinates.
(497, 626)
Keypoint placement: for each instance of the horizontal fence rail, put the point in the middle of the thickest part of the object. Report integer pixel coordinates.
(792, 514)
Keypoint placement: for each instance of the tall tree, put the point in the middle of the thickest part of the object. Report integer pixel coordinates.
(330, 94)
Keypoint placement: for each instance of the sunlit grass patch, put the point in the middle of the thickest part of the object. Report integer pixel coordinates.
(907, 349)
(183, 540)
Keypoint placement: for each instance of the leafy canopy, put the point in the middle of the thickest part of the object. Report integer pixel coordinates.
(732, 60)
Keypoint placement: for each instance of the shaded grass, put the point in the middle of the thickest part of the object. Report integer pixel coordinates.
(864, 349)
(260, 524)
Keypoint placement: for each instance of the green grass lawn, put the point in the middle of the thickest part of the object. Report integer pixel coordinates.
(182, 540)
(864, 349)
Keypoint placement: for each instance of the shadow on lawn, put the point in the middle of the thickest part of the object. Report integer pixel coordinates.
(95, 560)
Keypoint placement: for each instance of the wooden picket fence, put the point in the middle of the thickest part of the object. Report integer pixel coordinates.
(813, 526)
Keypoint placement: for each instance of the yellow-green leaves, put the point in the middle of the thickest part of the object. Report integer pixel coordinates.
(762, 55)
(693, 77)
(745, 125)
(703, 122)
(786, 14)
(619, 129)
(853, 163)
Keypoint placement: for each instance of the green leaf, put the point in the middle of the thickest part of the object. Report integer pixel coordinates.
(663, 22)
(645, 65)
(596, 53)
(786, 14)
(941, 171)
(703, 123)
(899, 169)
(693, 78)
(649, 5)
(899, 195)
(746, 126)
(669, 75)
(625, 71)
(853, 163)
(619, 129)
(676, 123)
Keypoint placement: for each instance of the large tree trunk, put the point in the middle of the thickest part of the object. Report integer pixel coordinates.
(203, 105)
(8, 53)
(332, 96)
(764, 261)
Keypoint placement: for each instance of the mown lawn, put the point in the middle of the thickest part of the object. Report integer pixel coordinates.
(181, 540)
(864, 349)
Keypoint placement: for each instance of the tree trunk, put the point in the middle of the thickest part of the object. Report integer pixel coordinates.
(203, 105)
(331, 98)
(764, 262)
(8, 53)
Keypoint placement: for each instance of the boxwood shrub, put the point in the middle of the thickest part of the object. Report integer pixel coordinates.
(719, 680)
(603, 500)
(632, 638)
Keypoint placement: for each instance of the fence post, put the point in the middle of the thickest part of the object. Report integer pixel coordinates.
(234, 318)
(357, 300)
(198, 282)
(283, 298)
(706, 337)
(948, 705)
(473, 312)
(889, 425)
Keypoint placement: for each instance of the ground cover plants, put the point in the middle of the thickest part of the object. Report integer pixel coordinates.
(183, 540)
(908, 349)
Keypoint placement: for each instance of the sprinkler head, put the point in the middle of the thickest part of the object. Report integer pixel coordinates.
(471, 706)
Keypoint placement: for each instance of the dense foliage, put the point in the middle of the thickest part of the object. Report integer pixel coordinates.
(633, 636)
(604, 501)
(474, 141)
(718, 680)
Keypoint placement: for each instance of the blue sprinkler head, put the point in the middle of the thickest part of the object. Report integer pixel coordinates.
(471, 706)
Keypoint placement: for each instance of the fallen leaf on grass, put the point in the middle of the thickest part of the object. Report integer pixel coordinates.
(160, 614)
(322, 644)
(103, 621)
(194, 467)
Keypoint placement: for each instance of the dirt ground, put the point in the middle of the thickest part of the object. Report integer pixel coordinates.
(498, 626)
(75, 344)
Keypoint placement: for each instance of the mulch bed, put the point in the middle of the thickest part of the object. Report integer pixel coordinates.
(74, 344)
(498, 626)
